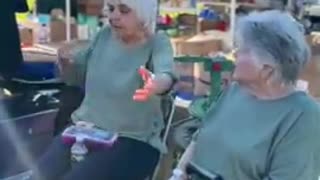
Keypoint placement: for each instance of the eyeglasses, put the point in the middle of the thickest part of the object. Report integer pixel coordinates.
(123, 9)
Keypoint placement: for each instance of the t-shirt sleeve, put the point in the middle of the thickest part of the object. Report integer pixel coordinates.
(297, 155)
(162, 55)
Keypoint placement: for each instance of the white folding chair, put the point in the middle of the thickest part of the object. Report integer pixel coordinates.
(168, 116)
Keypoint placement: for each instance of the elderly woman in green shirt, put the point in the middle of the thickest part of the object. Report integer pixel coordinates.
(116, 98)
(262, 128)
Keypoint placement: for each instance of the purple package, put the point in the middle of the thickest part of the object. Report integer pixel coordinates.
(92, 137)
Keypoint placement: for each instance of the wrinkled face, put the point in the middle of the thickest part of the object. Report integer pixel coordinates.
(123, 19)
(246, 69)
(249, 70)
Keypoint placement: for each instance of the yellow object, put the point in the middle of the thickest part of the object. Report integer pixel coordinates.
(174, 12)
(21, 17)
(230, 56)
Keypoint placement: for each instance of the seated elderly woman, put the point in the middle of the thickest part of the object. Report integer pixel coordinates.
(262, 128)
(117, 99)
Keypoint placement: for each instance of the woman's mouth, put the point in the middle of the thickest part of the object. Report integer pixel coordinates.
(115, 26)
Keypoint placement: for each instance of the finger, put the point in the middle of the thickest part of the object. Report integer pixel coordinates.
(149, 83)
(149, 87)
(144, 73)
(142, 91)
(140, 97)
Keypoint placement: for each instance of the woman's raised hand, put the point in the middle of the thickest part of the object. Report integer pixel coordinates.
(149, 88)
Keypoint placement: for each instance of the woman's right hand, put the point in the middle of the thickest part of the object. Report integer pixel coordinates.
(65, 62)
(65, 56)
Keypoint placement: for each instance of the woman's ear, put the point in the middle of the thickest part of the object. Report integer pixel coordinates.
(267, 71)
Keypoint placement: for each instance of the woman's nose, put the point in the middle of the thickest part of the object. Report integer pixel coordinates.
(114, 15)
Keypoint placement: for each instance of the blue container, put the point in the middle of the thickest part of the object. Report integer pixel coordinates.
(185, 95)
(37, 71)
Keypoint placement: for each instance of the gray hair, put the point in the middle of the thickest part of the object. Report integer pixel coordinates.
(275, 38)
(147, 11)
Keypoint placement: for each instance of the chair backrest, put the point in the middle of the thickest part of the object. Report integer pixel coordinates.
(215, 66)
(168, 109)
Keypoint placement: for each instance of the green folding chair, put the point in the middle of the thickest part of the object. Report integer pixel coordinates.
(215, 66)
(198, 108)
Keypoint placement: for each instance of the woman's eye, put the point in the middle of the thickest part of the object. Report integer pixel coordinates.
(111, 8)
(124, 9)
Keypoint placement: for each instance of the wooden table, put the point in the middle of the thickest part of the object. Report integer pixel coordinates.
(33, 57)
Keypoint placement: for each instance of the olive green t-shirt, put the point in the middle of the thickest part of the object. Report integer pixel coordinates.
(244, 138)
(109, 71)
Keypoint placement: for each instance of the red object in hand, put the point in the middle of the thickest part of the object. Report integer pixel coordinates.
(144, 93)
(216, 67)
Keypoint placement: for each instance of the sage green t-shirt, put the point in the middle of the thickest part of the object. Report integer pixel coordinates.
(109, 71)
(244, 138)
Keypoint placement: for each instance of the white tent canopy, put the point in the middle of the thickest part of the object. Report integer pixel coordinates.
(68, 22)
(232, 19)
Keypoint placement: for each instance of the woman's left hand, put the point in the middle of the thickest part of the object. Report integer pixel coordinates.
(151, 86)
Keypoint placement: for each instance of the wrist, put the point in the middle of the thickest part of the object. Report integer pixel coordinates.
(163, 83)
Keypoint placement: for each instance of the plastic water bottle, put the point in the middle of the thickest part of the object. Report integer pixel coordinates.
(177, 174)
(78, 150)
(43, 36)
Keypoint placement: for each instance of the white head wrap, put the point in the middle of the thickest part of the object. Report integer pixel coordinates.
(147, 11)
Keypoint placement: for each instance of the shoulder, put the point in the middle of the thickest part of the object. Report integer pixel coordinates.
(100, 38)
(308, 121)
(161, 39)
(311, 109)
(306, 104)
(105, 31)
(160, 35)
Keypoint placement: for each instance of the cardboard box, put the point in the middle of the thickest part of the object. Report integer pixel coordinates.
(311, 74)
(205, 25)
(201, 45)
(28, 31)
(177, 44)
(185, 74)
(184, 71)
(26, 36)
(91, 7)
(204, 44)
(58, 31)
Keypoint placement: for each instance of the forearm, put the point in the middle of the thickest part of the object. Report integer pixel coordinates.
(165, 82)
(72, 74)
(72, 65)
